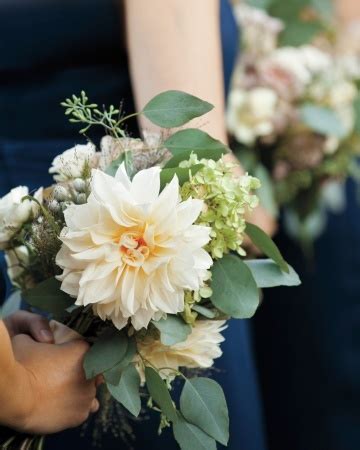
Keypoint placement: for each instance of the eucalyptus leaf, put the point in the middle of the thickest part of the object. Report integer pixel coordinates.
(172, 329)
(48, 297)
(268, 274)
(160, 393)
(108, 351)
(264, 243)
(127, 391)
(184, 142)
(322, 120)
(266, 192)
(183, 174)
(125, 158)
(190, 437)
(113, 375)
(234, 289)
(175, 108)
(202, 403)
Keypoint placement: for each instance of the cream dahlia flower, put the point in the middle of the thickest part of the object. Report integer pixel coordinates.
(198, 351)
(16, 260)
(132, 251)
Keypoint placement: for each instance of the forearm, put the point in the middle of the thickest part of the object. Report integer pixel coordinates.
(176, 44)
(348, 10)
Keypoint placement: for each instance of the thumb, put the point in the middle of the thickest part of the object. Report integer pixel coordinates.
(40, 330)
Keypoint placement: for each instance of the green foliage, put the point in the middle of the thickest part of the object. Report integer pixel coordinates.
(114, 374)
(81, 111)
(174, 109)
(203, 404)
(266, 191)
(206, 312)
(185, 142)
(357, 114)
(48, 297)
(322, 120)
(190, 437)
(264, 243)
(127, 159)
(235, 292)
(183, 174)
(107, 352)
(172, 329)
(160, 394)
(127, 391)
(268, 274)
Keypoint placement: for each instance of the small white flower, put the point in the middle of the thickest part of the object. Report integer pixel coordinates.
(14, 212)
(16, 260)
(250, 114)
(70, 164)
(132, 251)
(199, 350)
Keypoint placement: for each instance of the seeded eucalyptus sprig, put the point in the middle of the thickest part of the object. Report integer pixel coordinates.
(81, 111)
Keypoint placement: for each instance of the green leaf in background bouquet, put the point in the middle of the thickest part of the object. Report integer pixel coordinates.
(183, 174)
(48, 297)
(175, 108)
(235, 292)
(185, 142)
(264, 243)
(108, 351)
(203, 404)
(113, 375)
(266, 192)
(357, 114)
(125, 158)
(172, 329)
(160, 393)
(190, 437)
(268, 274)
(127, 391)
(322, 120)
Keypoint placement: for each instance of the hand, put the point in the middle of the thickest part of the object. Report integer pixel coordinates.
(23, 322)
(52, 387)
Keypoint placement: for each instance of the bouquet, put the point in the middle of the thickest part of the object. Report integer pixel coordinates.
(293, 113)
(139, 247)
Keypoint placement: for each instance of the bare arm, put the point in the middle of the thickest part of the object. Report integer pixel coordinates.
(348, 10)
(176, 44)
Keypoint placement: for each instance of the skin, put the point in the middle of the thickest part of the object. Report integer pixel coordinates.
(348, 10)
(177, 45)
(47, 391)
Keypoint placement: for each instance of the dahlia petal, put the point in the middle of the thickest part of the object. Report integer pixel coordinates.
(145, 186)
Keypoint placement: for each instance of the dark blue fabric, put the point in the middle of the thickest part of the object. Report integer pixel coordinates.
(26, 161)
(308, 342)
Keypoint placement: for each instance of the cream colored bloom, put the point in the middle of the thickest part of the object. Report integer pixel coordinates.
(250, 114)
(14, 212)
(16, 259)
(132, 251)
(198, 351)
(71, 163)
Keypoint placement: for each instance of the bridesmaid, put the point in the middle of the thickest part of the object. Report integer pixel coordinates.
(53, 48)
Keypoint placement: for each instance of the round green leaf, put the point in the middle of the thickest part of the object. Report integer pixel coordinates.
(160, 393)
(48, 297)
(172, 329)
(264, 243)
(268, 274)
(113, 375)
(234, 289)
(106, 353)
(203, 404)
(175, 108)
(190, 437)
(127, 391)
(322, 120)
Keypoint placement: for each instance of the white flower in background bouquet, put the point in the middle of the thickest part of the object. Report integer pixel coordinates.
(293, 113)
(139, 247)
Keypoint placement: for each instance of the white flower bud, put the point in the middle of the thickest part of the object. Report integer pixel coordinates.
(79, 185)
(81, 199)
(60, 193)
(54, 206)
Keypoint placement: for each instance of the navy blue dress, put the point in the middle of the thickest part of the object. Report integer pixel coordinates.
(49, 50)
(308, 342)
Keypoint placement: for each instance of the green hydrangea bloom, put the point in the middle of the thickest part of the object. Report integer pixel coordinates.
(226, 200)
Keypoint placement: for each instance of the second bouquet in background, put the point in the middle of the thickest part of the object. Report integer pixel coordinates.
(139, 247)
(294, 114)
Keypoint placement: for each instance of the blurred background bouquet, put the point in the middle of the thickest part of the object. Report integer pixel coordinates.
(294, 114)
